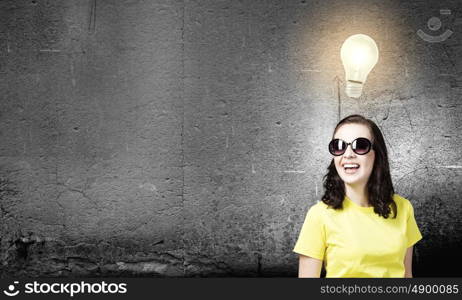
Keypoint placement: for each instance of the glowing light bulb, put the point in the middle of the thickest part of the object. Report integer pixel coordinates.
(359, 55)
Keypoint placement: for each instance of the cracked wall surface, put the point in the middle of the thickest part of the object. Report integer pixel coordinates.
(188, 138)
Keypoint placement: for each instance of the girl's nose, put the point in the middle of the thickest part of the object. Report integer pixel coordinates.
(349, 152)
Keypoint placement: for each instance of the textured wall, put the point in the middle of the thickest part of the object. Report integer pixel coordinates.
(188, 138)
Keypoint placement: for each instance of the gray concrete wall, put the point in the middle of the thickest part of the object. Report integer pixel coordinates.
(188, 138)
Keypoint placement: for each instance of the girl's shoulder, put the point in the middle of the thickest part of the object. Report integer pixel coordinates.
(320, 205)
(402, 203)
(319, 208)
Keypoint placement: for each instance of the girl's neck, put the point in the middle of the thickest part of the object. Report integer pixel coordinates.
(357, 194)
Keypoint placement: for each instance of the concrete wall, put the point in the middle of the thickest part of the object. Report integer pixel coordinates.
(188, 138)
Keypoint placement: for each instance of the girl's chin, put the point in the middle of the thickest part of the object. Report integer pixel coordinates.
(353, 182)
(351, 178)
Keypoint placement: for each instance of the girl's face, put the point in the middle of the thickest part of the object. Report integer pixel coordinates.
(348, 133)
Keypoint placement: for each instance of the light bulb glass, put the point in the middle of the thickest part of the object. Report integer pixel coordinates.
(359, 55)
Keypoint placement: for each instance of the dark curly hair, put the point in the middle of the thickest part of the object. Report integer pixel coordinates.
(379, 186)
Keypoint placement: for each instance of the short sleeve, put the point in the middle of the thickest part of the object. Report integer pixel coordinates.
(312, 238)
(413, 234)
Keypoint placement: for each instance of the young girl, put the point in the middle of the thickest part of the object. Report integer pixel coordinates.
(361, 228)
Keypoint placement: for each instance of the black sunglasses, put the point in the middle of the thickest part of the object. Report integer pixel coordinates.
(359, 146)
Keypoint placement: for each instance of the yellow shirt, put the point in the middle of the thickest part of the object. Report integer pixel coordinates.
(356, 242)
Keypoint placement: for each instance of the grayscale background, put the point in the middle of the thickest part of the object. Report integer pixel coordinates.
(189, 138)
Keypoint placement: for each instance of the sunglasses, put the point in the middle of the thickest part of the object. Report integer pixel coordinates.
(359, 146)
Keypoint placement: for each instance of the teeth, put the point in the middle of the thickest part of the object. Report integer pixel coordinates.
(351, 166)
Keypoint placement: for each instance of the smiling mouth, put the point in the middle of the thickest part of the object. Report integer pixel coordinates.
(351, 168)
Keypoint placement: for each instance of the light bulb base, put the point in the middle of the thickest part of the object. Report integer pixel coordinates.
(354, 89)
